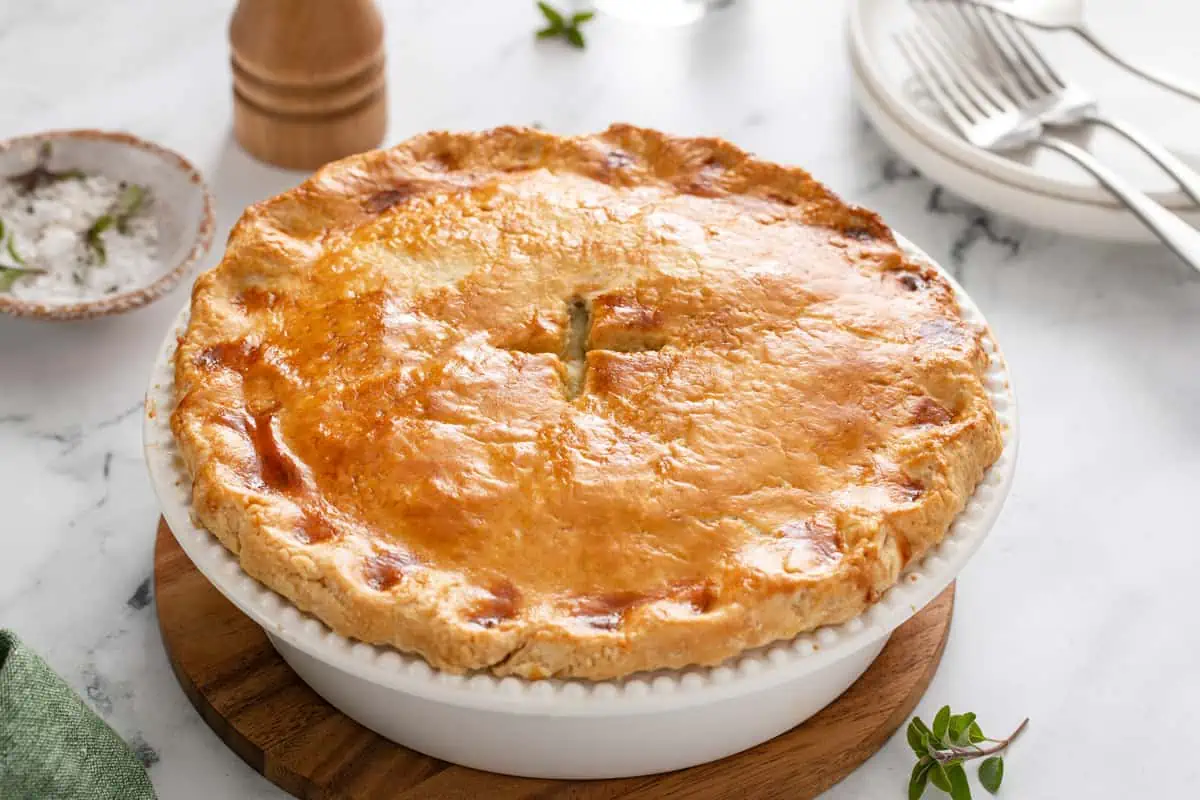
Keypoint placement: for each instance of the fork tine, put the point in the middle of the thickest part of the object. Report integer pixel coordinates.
(967, 79)
(933, 81)
(1027, 51)
(989, 23)
(996, 60)
(939, 30)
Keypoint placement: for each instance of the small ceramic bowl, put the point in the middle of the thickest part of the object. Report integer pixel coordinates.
(183, 211)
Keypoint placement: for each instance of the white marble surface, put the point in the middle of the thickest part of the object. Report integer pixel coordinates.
(1076, 613)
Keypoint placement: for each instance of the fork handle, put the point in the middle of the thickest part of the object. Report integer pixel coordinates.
(1187, 178)
(1181, 238)
(1162, 79)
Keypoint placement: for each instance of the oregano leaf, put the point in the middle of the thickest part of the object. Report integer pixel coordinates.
(959, 726)
(7, 278)
(991, 773)
(960, 788)
(975, 733)
(128, 203)
(552, 15)
(941, 723)
(559, 25)
(10, 275)
(939, 778)
(920, 778)
(13, 254)
(916, 739)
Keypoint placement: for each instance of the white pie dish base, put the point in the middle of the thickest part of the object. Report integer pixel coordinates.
(646, 723)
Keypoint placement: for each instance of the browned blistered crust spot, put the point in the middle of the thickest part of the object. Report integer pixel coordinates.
(608, 611)
(236, 356)
(278, 469)
(501, 605)
(254, 298)
(928, 411)
(387, 568)
(382, 201)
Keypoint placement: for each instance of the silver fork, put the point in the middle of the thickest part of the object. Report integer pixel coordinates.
(988, 119)
(1006, 53)
(1067, 15)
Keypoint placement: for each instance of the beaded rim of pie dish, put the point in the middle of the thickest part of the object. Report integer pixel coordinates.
(137, 296)
(751, 670)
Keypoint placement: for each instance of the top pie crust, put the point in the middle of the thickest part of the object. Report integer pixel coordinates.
(575, 407)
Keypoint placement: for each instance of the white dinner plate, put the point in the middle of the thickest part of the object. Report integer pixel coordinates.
(1041, 187)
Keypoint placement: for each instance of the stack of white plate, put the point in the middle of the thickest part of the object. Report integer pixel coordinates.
(1043, 188)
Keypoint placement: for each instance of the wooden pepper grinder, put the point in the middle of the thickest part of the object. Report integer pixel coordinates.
(308, 79)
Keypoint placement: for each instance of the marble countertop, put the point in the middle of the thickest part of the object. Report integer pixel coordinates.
(1075, 613)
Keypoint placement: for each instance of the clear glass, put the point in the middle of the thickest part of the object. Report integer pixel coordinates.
(660, 12)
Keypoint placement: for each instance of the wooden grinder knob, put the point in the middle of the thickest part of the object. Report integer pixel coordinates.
(308, 79)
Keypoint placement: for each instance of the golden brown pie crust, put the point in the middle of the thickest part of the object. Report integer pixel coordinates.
(575, 407)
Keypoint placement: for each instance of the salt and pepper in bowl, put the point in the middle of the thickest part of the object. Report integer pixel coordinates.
(95, 223)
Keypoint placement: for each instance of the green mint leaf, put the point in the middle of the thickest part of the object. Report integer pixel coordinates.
(546, 33)
(975, 733)
(581, 17)
(960, 789)
(552, 15)
(575, 38)
(940, 723)
(939, 778)
(919, 778)
(991, 773)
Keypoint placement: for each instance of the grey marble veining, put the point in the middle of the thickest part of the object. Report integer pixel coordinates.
(1077, 611)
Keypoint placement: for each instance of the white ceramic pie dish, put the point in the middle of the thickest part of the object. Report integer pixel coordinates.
(646, 723)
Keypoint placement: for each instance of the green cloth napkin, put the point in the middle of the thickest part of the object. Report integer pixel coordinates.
(52, 747)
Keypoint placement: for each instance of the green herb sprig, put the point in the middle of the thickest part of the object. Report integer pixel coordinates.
(128, 202)
(560, 25)
(943, 749)
(41, 175)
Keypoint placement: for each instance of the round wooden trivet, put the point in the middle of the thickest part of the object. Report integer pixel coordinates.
(255, 703)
